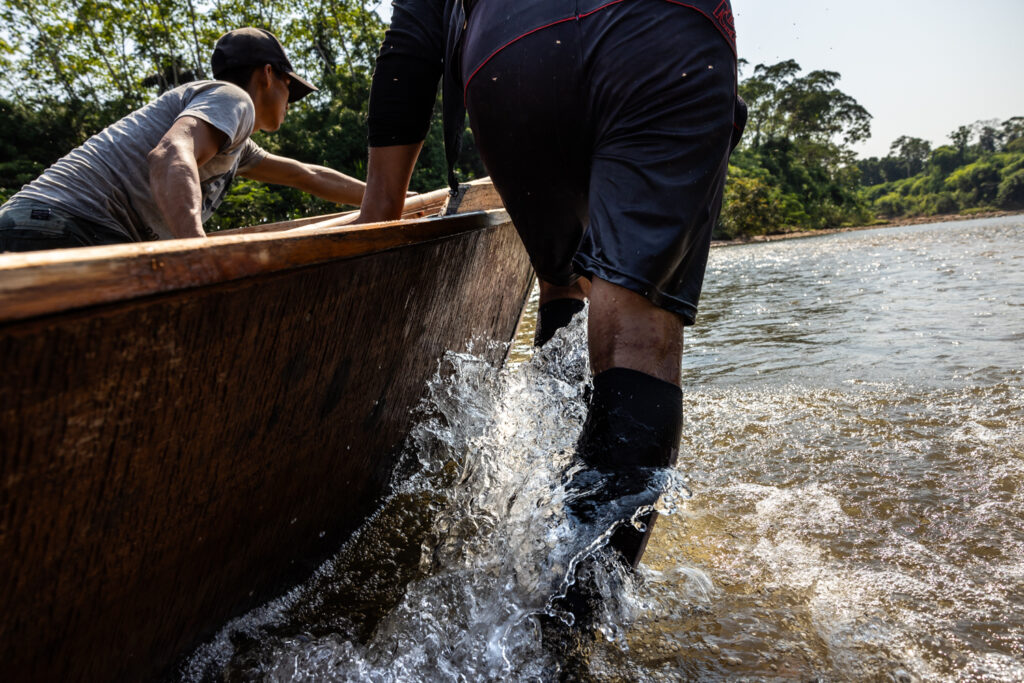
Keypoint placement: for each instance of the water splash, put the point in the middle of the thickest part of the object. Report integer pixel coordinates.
(471, 551)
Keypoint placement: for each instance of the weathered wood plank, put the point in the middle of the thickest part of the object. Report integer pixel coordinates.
(417, 206)
(41, 283)
(278, 226)
(477, 195)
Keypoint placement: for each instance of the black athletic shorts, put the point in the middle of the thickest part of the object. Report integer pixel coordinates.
(608, 138)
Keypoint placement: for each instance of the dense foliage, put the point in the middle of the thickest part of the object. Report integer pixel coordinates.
(69, 69)
(795, 168)
(983, 169)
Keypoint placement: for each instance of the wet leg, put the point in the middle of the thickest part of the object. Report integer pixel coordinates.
(634, 421)
(628, 331)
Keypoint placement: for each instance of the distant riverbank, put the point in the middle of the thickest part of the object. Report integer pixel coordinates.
(899, 222)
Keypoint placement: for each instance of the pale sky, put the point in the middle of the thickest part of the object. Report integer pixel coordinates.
(920, 67)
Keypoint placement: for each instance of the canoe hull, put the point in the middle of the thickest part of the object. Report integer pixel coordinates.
(170, 462)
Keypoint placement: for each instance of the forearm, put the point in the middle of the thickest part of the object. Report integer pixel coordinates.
(174, 182)
(326, 183)
(402, 98)
(388, 173)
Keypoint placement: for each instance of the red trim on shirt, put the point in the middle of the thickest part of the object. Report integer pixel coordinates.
(727, 33)
(731, 39)
(491, 56)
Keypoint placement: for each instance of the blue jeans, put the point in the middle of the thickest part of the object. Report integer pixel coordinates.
(29, 225)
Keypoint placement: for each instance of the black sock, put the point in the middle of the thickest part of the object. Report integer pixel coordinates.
(554, 315)
(634, 423)
(634, 420)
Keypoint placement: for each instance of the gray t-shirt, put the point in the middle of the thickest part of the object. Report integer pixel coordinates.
(106, 180)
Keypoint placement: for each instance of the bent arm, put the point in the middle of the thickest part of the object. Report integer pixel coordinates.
(323, 182)
(174, 173)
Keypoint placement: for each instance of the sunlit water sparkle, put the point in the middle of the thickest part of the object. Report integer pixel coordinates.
(854, 443)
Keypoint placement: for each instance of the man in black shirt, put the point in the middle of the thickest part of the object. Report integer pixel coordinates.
(606, 127)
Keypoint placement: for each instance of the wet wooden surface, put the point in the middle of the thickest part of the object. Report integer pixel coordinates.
(171, 461)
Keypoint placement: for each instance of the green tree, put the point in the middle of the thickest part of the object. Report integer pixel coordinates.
(1012, 129)
(1011, 191)
(978, 171)
(961, 138)
(891, 205)
(800, 131)
(1013, 134)
(990, 137)
(977, 183)
(912, 152)
(944, 160)
(752, 205)
(783, 103)
(871, 172)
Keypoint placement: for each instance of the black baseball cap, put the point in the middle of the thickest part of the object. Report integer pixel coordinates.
(254, 47)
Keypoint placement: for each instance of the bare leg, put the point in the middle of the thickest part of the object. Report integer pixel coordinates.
(577, 290)
(628, 331)
(635, 417)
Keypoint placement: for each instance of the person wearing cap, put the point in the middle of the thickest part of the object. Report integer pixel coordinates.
(161, 171)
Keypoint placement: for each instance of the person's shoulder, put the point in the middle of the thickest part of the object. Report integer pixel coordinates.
(229, 92)
(220, 86)
(223, 105)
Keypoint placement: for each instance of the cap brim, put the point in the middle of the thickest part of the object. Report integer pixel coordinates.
(299, 87)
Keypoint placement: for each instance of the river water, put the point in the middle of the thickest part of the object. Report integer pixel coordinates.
(848, 503)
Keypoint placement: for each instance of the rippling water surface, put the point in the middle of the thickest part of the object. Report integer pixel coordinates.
(854, 444)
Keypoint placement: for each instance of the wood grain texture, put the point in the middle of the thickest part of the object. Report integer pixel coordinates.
(171, 460)
(478, 195)
(278, 226)
(417, 206)
(42, 283)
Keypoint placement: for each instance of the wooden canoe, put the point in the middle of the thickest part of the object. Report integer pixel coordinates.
(187, 428)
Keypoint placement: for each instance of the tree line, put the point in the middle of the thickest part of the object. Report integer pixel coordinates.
(982, 169)
(67, 69)
(796, 170)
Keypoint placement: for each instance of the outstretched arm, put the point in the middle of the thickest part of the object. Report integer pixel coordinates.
(323, 182)
(174, 173)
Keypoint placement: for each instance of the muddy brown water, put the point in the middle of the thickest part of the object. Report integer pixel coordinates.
(854, 447)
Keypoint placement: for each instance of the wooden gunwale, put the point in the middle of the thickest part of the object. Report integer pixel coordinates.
(418, 206)
(43, 283)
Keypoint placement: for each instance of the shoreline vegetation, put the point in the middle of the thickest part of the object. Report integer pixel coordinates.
(897, 223)
(795, 166)
(71, 69)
